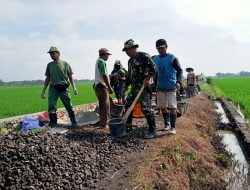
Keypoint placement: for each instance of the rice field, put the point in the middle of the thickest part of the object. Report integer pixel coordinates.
(236, 89)
(19, 100)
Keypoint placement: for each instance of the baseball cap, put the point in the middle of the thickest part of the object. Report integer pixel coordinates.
(161, 43)
(104, 51)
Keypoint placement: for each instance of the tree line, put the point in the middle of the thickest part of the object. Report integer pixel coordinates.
(240, 74)
(36, 82)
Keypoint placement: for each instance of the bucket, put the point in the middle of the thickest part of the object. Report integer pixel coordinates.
(116, 127)
(116, 110)
(137, 111)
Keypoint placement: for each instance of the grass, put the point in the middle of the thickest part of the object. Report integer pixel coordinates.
(19, 100)
(235, 89)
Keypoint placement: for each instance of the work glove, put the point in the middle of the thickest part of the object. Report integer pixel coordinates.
(43, 96)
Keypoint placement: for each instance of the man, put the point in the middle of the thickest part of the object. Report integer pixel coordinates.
(140, 70)
(58, 77)
(114, 81)
(169, 80)
(102, 87)
(191, 82)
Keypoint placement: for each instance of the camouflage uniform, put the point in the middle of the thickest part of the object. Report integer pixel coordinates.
(140, 67)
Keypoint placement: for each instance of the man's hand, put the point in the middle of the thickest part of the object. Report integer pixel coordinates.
(146, 82)
(124, 89)
(177, 86)
(110, 89)
(43, 96)
(75, 91)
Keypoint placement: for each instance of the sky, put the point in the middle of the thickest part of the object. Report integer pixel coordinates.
(209, 35)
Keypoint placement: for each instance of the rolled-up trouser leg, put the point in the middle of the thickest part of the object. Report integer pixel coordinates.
(104, 103)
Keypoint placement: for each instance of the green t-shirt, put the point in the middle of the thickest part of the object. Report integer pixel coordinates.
(59, 72)
(102, 67)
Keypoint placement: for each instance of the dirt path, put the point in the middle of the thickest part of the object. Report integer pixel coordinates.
(90, 159)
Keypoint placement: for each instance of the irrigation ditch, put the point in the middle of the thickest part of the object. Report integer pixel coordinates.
(231, 123)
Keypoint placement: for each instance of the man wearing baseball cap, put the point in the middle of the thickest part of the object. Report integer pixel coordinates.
(58, 77)
(102, 87)
(141, 69)
(169, 74)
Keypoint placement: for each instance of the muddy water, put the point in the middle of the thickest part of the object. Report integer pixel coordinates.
(238, 176)
(241, 114)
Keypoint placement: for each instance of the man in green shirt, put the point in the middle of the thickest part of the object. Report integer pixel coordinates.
(102, 87)
(58, 77)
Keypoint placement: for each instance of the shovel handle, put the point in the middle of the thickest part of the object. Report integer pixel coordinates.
(132, 105)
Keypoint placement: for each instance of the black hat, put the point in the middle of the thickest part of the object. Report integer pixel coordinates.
(161, 43)
(189, 69)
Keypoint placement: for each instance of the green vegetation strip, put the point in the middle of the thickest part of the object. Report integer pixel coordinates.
(235, 89)
(19, 100)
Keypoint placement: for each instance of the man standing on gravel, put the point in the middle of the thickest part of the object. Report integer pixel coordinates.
(102, 87)
(141, 69)
(169, 74)
(58, 77)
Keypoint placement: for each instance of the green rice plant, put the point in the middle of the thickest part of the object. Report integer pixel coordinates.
(19, 100)
(236, 89)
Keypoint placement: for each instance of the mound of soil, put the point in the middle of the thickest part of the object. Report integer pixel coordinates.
(192, 159)
(77, 160)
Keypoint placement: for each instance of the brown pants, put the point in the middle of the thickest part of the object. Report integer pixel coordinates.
(104, 104)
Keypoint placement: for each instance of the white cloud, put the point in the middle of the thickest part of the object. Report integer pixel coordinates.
(80, 28)
(228, 14)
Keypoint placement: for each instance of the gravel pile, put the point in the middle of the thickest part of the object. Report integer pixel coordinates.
(77, 160)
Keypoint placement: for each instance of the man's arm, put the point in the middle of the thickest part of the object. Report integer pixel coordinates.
(179, 70)
(150, 71)
(128, 77)
(46, 83)
(106, 80)
(103, 70)
(71, 80)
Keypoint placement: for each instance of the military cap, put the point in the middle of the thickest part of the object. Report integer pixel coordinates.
(53, 49)
(129, 44)
(121, 73)
(104, 51)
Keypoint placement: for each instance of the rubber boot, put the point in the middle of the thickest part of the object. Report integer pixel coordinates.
(151, 127)
(166, 117)
(53, 119)
(73, 119)
(172, 123)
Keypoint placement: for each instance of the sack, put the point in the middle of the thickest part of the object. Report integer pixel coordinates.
(29, 123)
(61, 87)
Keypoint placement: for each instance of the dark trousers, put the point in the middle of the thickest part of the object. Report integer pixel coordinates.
(104, 104)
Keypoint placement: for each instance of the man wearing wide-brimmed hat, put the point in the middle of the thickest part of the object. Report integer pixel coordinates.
(191, 82)
(141, 69)
(58, 77)
(102, 87)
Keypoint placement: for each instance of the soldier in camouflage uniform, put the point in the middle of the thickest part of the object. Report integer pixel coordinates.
(141, 69)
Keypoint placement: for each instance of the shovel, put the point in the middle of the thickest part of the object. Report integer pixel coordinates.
(132, 105)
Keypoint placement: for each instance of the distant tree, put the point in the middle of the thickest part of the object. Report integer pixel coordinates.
(1, 82)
